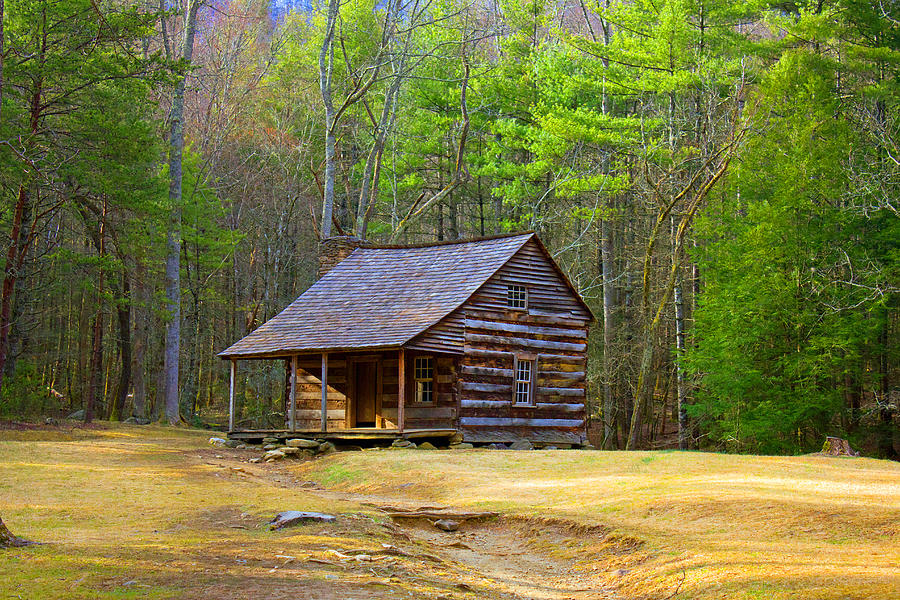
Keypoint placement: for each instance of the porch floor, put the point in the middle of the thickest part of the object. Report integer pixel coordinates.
(359, 434)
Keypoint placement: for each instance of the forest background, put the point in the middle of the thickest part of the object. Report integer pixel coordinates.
(720, 179)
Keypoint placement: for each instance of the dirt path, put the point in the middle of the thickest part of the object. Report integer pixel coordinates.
(504, 558)
(496, 559)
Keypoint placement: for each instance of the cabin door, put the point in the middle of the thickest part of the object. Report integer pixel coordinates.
(365, 394)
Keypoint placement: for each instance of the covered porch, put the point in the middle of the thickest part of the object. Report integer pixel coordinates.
(359, 397)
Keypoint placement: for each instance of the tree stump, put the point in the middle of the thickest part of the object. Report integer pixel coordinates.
(8, 540)
(835, 446)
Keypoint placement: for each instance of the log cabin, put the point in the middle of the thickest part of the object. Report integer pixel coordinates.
(486, 338)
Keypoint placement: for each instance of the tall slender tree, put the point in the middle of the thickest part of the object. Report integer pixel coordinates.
(172, 354)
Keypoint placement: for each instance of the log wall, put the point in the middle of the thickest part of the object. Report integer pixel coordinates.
(552, 331)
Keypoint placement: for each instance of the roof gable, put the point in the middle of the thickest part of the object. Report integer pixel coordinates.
(380, 297)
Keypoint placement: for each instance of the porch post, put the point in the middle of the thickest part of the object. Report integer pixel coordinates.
(231, 396)
(324, 391)
(294, 393)
(401, 395)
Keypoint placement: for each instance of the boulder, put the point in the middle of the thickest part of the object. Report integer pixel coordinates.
(498, 446)
(217, 442)
(76, 416)
(456, 438)
(427, 446)
(402, 443)
(232, 444)
(326, 448)
(294, 517)
(446, 525)
(273, 455)
(288, 451)
(521, 445)
(270, 440)
(301, 443)
(271, 446)
(461, 446)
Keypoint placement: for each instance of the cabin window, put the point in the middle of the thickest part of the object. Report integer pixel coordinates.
(524, 388)
(424, 378)
(517, 296)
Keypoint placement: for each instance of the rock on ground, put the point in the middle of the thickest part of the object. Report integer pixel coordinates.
(301, 443)
(446, 525)
(273, 455)
(217, 442)
(461, 446)
(294, 517)
(521, 445)
(427, 446)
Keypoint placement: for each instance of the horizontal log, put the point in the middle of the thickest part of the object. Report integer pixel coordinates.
(558, 391)
(486, 371)
(422, 412)
(518, 422)
(333, 414)
(332, 395)
(562, 319)
(475, 338)
(561, 406)
(567, 375)
(469, 386)
(521, 411)
(525, 328)
(543, 436)
(484, 403)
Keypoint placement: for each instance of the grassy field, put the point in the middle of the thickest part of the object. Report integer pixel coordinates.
(735, 526)
(151, 512)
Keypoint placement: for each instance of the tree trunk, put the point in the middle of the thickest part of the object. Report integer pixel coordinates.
(139, 401)
(173, 239)
(97, 344)
(8, 540)
(326, 70)
(123, 313)
(607, 262)
(683, 429)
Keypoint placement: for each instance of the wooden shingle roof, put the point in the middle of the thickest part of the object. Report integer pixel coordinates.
(380, 298)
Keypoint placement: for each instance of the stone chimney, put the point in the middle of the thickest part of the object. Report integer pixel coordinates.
(334, 250)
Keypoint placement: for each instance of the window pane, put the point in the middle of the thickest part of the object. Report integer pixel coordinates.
(516, 296)
(524, 381)
(424, 378)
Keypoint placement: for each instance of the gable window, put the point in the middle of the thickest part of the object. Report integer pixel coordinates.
(424, 379)
(524, 382)
(517, 296)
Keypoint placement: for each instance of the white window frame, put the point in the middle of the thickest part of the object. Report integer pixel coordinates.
(420, 377)
(524, 385)
(513, 298)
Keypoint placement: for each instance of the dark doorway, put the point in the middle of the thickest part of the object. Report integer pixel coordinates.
(365, 387)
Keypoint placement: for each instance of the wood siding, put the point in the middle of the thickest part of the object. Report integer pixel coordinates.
(552, 332)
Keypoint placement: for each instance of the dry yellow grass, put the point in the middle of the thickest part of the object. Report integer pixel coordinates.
(151, 512)
(737, 526)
